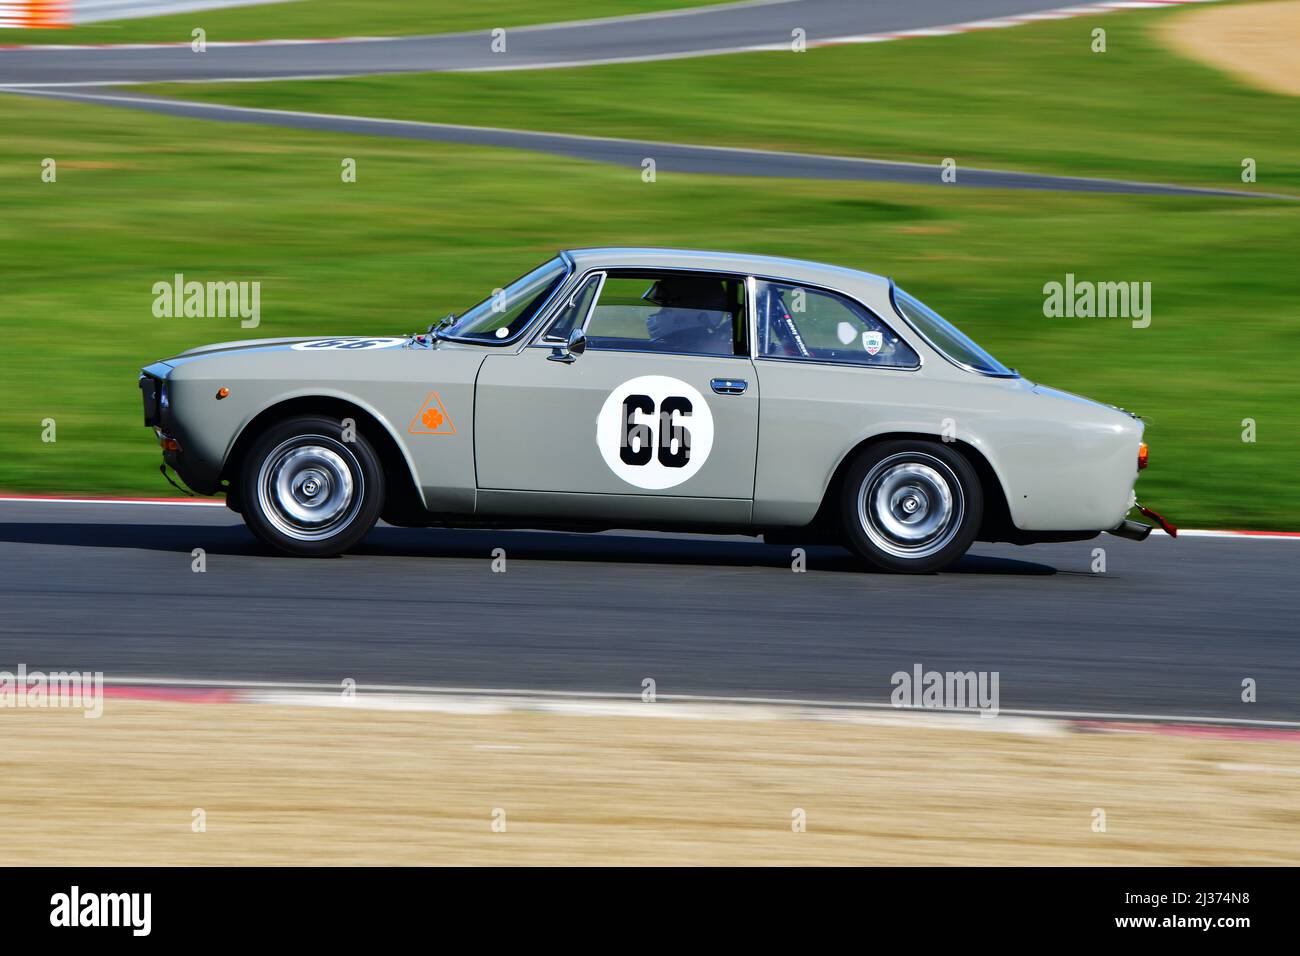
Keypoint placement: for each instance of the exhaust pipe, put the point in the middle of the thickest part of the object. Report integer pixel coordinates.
(1133, 530)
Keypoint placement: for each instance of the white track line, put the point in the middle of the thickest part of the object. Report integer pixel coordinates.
(606, 697)
(670, 709)
(1263, 535)
(190, 502)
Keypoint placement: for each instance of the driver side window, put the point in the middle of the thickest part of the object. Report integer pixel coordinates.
(681, 312)
(574, 310)
(809, 324)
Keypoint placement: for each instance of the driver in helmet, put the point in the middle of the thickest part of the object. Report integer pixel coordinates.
(694, 315)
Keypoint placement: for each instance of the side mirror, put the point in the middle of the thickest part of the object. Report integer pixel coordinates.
(574, 346)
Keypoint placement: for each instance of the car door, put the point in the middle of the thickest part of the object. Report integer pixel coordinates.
(656, 419)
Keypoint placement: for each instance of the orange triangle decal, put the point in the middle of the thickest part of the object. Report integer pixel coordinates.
(432, 419)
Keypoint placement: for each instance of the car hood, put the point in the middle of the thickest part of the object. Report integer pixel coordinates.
(243, 345)
(1057, 394)
(298, 343)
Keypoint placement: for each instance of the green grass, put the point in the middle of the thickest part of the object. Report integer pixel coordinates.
(427, 227)
(328, 18)
(1033, 98)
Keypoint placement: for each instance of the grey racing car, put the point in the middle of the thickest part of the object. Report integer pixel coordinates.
(654, 389)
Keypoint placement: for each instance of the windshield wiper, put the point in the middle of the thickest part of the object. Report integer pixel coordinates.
(437, 327)
(432, 334)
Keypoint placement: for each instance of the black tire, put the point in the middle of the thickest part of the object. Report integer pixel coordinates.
(911, 506)
(305, 491)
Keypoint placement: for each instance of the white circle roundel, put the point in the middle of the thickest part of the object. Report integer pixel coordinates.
(350, 344)
(655, 432)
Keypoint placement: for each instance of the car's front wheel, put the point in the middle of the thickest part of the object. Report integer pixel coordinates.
(307, 491)
(911, 506)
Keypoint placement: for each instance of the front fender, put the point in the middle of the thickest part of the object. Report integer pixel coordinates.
(301, 397)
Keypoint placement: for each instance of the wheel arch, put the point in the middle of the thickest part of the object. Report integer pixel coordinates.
(996, 523)
(398, 467)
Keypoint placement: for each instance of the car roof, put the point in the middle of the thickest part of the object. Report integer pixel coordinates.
(777, 267)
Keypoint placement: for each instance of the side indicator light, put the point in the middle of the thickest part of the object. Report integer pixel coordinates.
(1142, 456)
(224, 392)
(170, 444)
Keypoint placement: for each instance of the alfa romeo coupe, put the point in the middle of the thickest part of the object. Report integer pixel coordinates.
(654, 389)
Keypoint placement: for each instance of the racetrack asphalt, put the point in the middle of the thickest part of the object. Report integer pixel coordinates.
(693, 32)
(698, 31)
(1170, 629)
(668, 157)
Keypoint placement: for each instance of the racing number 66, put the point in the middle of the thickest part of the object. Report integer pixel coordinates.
(671, 432)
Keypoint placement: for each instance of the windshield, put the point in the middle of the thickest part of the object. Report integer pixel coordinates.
(946, 337)
(505, 313)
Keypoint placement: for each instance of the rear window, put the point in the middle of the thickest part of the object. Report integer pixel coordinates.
(812, 325)
(949, 340)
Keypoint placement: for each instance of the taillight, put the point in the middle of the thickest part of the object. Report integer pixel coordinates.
(1142, 456)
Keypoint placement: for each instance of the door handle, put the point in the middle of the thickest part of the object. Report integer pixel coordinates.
(729, 386)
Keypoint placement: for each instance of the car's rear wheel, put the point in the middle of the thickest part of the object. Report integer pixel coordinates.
(911, 506)
(306, 491)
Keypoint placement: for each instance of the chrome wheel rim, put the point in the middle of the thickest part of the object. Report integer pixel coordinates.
(911, 505)
(310, 487)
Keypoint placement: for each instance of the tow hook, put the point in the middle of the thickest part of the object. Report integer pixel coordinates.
(1165, 525)
(1137, 531)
